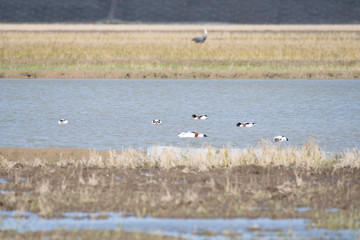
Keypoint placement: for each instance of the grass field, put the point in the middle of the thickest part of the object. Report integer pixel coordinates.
(166, 51)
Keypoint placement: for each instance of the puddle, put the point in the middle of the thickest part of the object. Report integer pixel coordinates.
(13, 192)
(3, 180)
(303, 209)
(332, 210)
(146, 174)
(6, 192)
(186, 228)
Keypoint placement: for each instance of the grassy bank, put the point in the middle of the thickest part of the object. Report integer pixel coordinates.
(166, 51)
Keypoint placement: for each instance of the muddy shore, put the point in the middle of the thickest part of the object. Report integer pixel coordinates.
(169, 74)
(329, 195)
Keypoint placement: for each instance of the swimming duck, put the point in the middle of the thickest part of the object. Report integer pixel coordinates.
(191, 135)
(280, 139)
(63, 121)
(201, 117)
(156, 122)
(246, 124)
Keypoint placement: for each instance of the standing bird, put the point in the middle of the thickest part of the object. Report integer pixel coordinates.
(200, 39)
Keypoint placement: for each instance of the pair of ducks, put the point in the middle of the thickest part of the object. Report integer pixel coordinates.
(252, 124)
(194, 134)
(187, 134)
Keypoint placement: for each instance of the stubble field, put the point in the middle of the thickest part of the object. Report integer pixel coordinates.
(166, 51)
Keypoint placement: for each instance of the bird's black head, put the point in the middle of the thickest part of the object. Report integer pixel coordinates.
(238, 124)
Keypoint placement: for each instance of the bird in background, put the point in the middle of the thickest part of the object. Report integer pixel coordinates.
(201, 39)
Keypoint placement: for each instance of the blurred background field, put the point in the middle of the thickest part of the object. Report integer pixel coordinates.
(166, 51)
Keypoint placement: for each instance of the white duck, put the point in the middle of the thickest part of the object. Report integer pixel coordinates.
(200, 117)
(156, 122)
(63, 121)
(191, 135)
(280, 139)
(245, 124)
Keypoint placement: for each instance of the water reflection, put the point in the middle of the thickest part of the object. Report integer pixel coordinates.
(186, 228)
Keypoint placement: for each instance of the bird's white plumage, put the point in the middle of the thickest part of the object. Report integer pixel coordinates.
(246, 124)
(191, 135)
(63, 121)
(280, 139)
(200, 117)
(156, 122)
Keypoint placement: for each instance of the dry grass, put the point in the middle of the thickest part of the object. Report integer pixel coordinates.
(139, 48)
(310, 155)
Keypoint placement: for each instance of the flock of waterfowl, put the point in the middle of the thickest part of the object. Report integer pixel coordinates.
(193, 134)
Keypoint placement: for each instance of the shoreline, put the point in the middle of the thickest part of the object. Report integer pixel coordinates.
(169, 74)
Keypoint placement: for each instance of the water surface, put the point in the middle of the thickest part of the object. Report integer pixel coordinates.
(196, 229)
(117, 114)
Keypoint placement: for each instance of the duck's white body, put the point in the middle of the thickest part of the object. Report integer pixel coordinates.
(200, 117)
(246, 124)
(280, 139)
(63, 121)
(156, 122)
(191, 135)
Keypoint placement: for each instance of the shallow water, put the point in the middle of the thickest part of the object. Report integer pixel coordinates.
(117, 114)
(186, 228)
